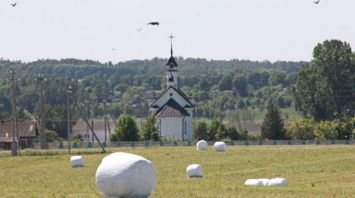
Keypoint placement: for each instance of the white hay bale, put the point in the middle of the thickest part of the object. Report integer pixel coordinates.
(220, 146)
(194, 170)
(202, 145)
(77, 161)
(278, 182)
(264, 182)
(256, 182)
(253, 182)
(125, 175)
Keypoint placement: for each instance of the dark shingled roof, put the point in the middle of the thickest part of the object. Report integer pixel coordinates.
(25, 129)
(172, 109)
(171, 62)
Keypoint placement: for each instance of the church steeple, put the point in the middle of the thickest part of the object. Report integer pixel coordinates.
(171, 45)
(171, 70)
(172, 65)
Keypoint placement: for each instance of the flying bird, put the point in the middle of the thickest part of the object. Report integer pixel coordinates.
(153, 23)
(13, 4)
(316, 1)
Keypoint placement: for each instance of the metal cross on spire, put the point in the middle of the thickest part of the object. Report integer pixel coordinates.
(171, 44)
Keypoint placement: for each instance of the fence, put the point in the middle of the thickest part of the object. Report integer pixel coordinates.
(142, 144)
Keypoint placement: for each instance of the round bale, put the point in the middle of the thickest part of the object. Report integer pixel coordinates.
(194, 171)
(201, 145)
(220, 146)
(125, 175)
(77, 161)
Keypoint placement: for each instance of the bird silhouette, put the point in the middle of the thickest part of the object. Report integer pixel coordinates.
(316, 1)
(153, 23)
(13, 4)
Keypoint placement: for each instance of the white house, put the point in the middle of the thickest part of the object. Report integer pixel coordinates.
(173, 107)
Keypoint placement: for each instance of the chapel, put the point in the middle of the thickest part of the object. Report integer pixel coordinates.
(173, 108)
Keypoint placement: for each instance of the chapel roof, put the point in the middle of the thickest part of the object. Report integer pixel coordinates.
(172, 109)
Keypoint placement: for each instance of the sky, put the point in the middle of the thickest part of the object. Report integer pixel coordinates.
(213, 29)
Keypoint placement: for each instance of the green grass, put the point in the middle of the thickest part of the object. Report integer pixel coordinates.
(312, 171)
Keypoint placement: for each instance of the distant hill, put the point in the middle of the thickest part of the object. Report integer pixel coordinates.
(78, 69)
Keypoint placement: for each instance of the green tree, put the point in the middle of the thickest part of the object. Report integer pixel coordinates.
(240, 84)
(200, 130)
(204, 85)
(273, 124)
(225, 83)
(126, 129)
(149, 130)
(324, 87)
(217, 130)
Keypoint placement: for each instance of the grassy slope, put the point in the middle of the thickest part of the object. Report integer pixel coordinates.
(312, 171)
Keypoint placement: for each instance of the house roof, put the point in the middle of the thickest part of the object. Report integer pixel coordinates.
(172, 109)
(25, 128)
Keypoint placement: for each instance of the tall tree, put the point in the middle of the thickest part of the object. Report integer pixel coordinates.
(240, 84)
(273, 124)
(149, 130)
(225, 83)
(126, 129)
(325, 87)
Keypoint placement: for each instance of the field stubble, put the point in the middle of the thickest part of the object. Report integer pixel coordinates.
(312, 171)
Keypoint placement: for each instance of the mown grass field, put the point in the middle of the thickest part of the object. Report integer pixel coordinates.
(312, 171)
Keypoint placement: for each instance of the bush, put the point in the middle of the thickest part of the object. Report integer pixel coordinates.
(243, 134)
(51, 135)
(326, 130)
(217, 130)
(200, 130)
(149, 130)
(301, 129)
(232, 132)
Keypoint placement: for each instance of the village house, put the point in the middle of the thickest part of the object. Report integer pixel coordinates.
(81, 128)
(27, 131)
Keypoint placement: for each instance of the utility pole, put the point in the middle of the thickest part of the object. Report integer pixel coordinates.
(68, 117)
(87, 108)
(14, 114)
(40, 81)
(105, 120)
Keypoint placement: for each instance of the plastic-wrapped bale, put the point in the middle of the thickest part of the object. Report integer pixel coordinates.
(253, 182)
(278, 182)
(77, 161)
(264, 182)
(220, 146)
(202, 145)
(194, 170)
(125, 175)
(256, 182)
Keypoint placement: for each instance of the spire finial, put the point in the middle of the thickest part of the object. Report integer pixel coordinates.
(171, 44)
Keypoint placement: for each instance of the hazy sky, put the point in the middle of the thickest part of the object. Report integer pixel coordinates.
(213, 29)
